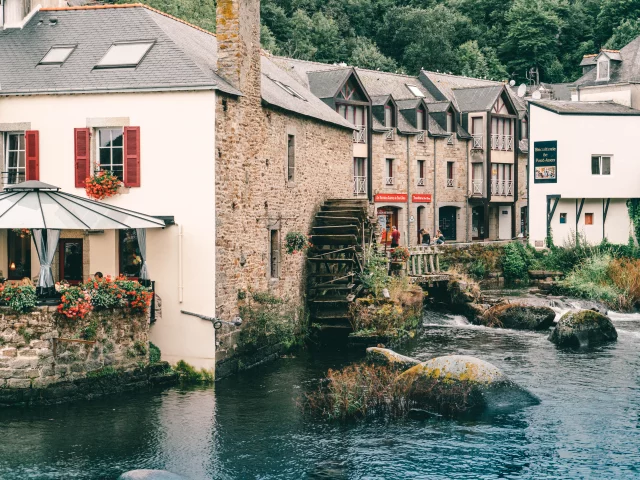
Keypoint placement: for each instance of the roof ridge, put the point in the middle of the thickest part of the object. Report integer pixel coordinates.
(462, 76)
(126, 5)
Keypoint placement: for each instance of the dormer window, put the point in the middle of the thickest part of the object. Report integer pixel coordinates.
(57, 55)
(420, 119)
(449, 122)
(389, 117)
(415, 90)
(603, 69)
(123, 55)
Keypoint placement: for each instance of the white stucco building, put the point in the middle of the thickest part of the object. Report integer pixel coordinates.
(583, 166)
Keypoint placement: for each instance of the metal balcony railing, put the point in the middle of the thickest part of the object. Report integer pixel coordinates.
(477, 141)
(502, 188)
(421, 182)
(476, 187)
(12, 177)
(390, 134)
(449, 182)
(388, 181)
(359, 185)
(422, 135)
(501, 142)
(360, 135)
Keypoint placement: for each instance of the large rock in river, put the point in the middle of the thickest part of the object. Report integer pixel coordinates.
(457, 384)
(519, 317)
(582, 329)
(389, 358)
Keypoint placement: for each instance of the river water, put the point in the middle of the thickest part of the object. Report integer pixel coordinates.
(249, 427)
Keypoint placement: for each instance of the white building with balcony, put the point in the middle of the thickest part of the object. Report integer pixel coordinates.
(581, 175)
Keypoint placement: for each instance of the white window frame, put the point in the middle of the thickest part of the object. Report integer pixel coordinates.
(97, 164)
(600, 157)
(19, 170)
(599, 77)
(415, 90)
(101, 64)
(70, 48)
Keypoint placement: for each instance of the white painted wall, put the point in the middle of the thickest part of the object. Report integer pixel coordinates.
(177, 179)
(578, 137)
(617, 93)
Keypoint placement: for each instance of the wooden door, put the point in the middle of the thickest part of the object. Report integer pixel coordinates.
(71, 260)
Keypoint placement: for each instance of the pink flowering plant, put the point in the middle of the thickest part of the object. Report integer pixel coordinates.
(295, 242)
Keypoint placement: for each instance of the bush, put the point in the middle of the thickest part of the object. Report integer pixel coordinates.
(625, 275)
(478, 270)
(375, 277)
(266, 318)
(516, 262)
(20, 298)
(590, 280)
(188, 374)
(75, 302)
(154, 353)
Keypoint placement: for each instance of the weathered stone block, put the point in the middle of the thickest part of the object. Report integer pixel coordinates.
(25, 362)
(10, 352)
(18, 383)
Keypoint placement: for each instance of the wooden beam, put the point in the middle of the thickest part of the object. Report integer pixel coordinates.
(578, 214)
(605, 210)
(550, 212)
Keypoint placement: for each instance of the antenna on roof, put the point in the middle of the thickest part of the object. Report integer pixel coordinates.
(522, 89)
(512, 83)
(536, 95)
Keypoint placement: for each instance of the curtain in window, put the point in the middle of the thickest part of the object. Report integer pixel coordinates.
(142, 245)
(46, 248)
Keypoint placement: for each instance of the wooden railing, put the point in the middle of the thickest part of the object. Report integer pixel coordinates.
(477, 187)
(422, 134)
(477, 141)
(451, 139)
(360, 134)
(359, 185)
(424, 260)
(502, 188)
(501, 142)
(389, 134)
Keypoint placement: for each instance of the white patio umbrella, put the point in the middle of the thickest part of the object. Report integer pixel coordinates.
(41, 207)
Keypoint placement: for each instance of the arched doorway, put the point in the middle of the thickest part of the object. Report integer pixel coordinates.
(447, 223)
(387, 217)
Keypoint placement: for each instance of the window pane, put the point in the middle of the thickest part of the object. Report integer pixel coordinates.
(104, 137)
(12, 161)
(21, 159)
(20, 141)
(130, 258)
(595, 165)
(606, 165)
(118, 172)
(105, 157)
(124, 54)
(588, 218)
(19, 253)
(57, 55)
(72, 260)
(117, 137)
(13, 142)
(116, 156)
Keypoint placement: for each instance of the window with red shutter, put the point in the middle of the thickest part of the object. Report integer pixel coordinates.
(82, 166)
(132, 156)
(32, 154)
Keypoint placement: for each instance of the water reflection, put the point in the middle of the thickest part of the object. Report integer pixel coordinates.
(249, 427)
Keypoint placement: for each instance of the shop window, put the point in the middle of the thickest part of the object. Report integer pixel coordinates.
(563, 218)
(588, 218)
(130, 257)
(274, 253)
(19, 250)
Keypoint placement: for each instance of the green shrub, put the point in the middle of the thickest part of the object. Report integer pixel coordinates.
(478, 270)
(140, 348)
(516, 262)
(375, 277)
(90, 332)
(154, 353)
(188, 374)
(25, 334)
(20, 298)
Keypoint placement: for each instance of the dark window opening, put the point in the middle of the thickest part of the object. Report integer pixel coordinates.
(291, 157)
(71, 260)
(563, 218)
(19, 249)
(274, 253)
(130, 257)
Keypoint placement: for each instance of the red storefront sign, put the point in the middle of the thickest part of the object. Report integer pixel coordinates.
(421, 198)
(390, 197)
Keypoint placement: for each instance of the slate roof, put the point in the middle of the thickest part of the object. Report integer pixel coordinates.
(379, 99)
(445, 83)
(182, 58)
(588, 60)
(626, 70)
(560, 91)
(325, 83)
(384, 83)
(311, 106)
(477, 99)
(585, 108)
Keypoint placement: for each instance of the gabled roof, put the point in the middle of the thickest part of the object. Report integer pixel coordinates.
(384, 83)
(588, 59)
(625, 67)
(377, 100)
(183, 57)
(477, 99)
(441, 85)
(273, 94)
(326, 83)
(585, 108)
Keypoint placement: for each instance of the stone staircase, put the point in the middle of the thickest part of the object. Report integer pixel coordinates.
(340, 234)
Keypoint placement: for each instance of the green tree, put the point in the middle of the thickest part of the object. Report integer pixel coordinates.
(366, 54)
(532, 36)
(299, 42)
(612, 14)
(268, 40)
(624, 33)
(326, 39)
(471, 61)
(201, 13)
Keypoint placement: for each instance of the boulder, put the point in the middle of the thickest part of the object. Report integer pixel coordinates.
(389, 358)
(519, 317)
(583, 328)
(150, 475)
(457, 384)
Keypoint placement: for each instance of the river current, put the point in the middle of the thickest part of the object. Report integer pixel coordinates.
(587, 425)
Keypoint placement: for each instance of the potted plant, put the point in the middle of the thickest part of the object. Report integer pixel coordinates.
(296, 242)
(399, 257)
(103, 184)
(22, 232)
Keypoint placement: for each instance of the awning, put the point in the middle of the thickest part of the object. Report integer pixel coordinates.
(35, 205)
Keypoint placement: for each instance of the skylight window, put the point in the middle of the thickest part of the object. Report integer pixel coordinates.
(124, 55)
(415, 90)
(287, 89)
(57, 55)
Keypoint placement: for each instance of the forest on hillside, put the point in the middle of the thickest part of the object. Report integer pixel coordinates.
(497, 39)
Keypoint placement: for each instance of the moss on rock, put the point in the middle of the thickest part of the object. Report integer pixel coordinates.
(519, 317)
(583, 328)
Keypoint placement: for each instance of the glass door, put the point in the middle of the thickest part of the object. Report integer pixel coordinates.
(71, 260)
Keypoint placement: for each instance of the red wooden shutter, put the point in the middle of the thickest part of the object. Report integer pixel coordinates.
(82, 166)
(32, 154)
(131, 156)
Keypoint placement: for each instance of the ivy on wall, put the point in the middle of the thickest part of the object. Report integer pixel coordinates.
(633, 206)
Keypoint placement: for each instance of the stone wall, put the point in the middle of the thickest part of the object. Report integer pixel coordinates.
(41, 349)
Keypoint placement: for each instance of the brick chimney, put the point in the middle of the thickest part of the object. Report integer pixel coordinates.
(238, 33)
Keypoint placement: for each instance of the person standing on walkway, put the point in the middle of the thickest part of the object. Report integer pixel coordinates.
(395, 237)
(426, 238)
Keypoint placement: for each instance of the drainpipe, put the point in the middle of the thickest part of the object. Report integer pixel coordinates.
(180, 280)
(466, 205)
(408, 196)
(435, 219)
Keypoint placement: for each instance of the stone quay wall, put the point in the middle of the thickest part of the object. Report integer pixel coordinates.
(44, 357)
